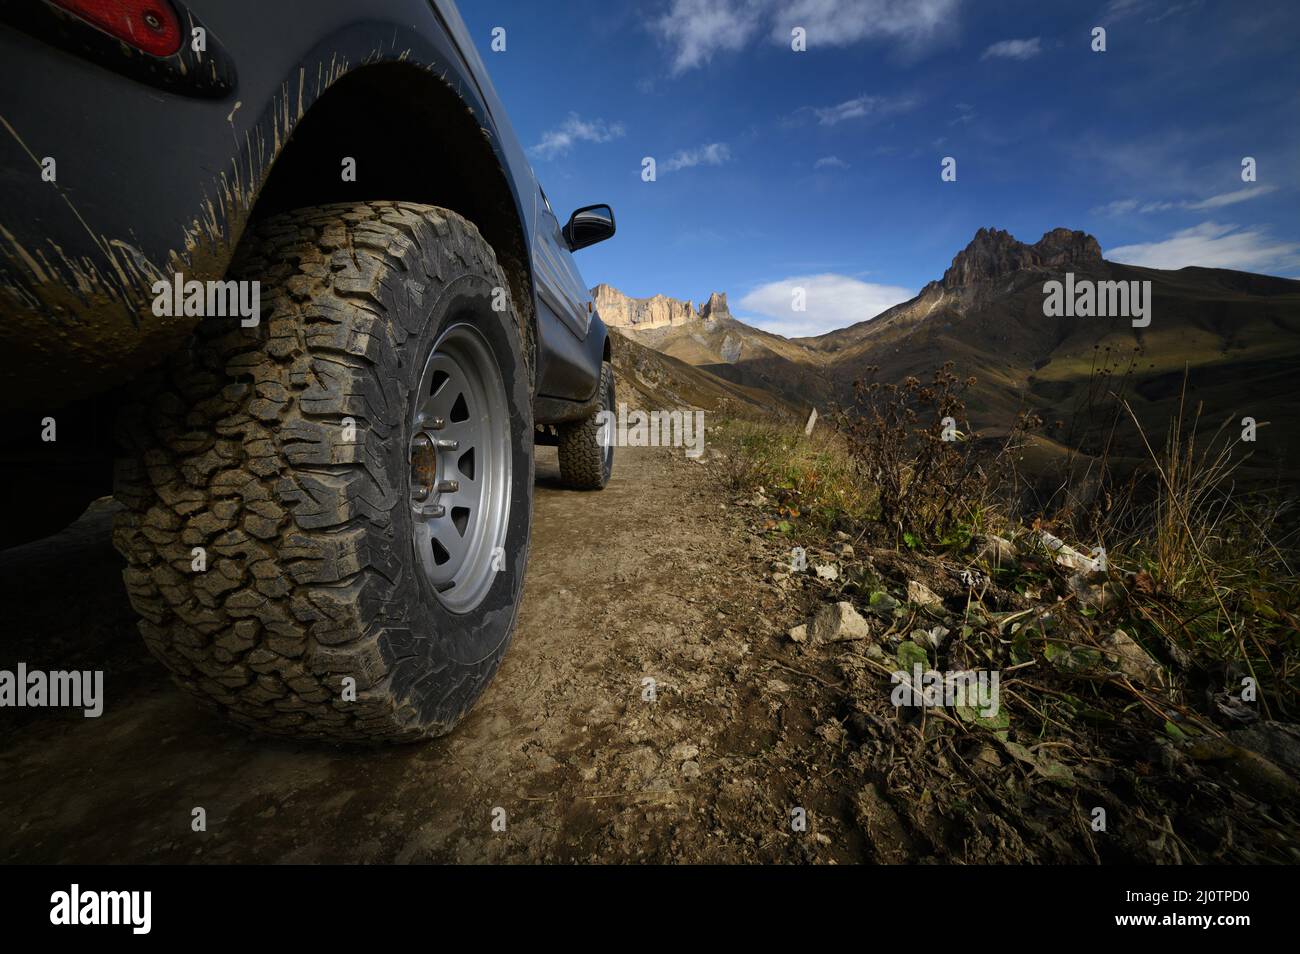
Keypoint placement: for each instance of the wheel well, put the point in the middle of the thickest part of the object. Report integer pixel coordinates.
(413, 139)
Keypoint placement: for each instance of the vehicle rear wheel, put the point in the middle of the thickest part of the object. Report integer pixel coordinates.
(329, 514)
(586, 448)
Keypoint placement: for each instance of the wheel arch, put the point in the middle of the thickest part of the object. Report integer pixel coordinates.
(413, 138)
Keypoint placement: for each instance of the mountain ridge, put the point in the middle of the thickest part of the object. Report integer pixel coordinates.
(1234, 336)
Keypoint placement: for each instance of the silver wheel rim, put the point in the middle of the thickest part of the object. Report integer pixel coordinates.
(459, 472)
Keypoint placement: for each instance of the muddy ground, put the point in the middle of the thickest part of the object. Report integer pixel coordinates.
(653, 579)
(652, 708)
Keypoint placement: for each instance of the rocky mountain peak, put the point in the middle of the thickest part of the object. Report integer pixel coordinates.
(993, 253)
(715, 307)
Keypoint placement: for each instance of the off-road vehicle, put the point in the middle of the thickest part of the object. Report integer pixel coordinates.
(280, 278)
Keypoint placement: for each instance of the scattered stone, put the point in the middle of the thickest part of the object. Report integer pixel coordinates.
(922, 595)
(690, 770)
(842, 537)
(683, 751)
(1134, 661)
(827, 571)
(846, 551)
(1067, 556)
(998, 551)
(798, 634)
(838, 621)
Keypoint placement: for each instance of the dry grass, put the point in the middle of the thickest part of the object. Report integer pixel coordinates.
(1205, 570)
(811, 477)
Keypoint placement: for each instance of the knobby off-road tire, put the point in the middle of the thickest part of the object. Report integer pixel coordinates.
(586, 451)
(317, 552)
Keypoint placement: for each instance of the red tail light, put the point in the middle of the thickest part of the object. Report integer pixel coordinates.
(148, 25)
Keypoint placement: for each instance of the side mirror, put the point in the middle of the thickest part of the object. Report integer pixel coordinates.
(589, 225)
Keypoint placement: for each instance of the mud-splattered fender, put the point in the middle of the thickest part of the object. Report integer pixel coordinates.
(149, 183)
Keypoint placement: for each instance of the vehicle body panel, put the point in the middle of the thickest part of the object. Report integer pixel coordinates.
(151, 183)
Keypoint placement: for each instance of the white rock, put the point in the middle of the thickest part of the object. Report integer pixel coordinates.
(1066, 555)
(922, 595)
(837, 621)
(998, 551)
(1134, 661)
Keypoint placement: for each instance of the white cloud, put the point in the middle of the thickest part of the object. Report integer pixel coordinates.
(558, 141)
(832, 301)
(1014, 49)
(1231, 198)
(1125, 206)
(697, 29)
(861, 106)
(913, 23)
(1117, 207)
(830, 162)
(713, 154)
(1212, 245)
(1119, 9)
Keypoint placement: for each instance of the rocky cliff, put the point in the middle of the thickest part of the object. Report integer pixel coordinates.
(640, 314)
(715, 307)
(993, 253)
(658, 311)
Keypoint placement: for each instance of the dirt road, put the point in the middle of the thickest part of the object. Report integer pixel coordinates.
(652, 579)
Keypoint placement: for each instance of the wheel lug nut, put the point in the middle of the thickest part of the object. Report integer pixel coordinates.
(435, 424)
(446, 444)
(448, 486)
(424, 467)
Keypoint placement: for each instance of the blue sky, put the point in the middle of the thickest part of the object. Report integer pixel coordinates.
(821, 169)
